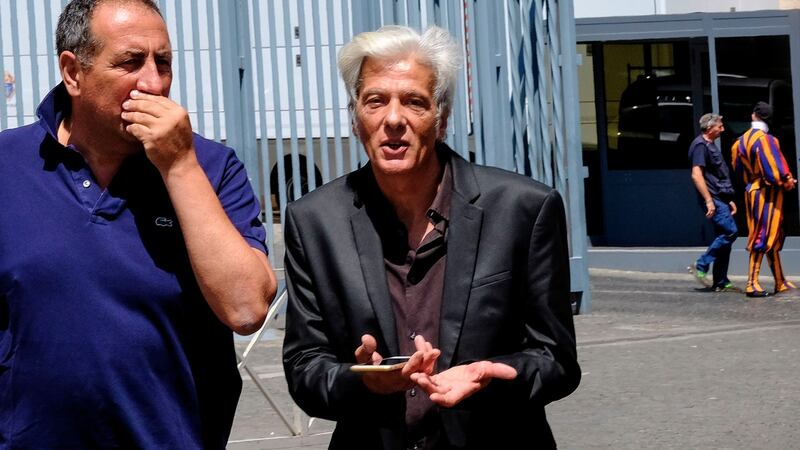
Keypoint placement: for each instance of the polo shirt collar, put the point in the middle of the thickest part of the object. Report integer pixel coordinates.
(53, 109)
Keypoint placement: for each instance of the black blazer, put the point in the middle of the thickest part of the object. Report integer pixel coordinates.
(506, 299)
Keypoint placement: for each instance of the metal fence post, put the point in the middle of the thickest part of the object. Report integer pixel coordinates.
(237, 86)
(575, 196)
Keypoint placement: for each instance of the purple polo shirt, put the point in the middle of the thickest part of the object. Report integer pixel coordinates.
(105, 339)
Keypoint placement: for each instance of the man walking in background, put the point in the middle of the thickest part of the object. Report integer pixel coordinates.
(712, 179)
(757, 157)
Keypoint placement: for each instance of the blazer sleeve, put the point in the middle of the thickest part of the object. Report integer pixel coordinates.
(547, 366)
(318, 382)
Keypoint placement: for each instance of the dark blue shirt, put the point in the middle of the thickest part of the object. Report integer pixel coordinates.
(715, 172)
(105, 339)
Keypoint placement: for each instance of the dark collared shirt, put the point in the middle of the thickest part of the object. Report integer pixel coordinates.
(415, 278)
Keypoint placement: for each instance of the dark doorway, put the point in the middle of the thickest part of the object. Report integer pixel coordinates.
(752, 69)
(649, 96)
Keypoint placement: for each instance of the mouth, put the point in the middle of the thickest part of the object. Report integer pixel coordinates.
(394, 146)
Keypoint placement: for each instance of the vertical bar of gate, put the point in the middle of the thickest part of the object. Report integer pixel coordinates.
(445, 19)
(388, 13)
(4, 106)
(576, 211)
(429, 12)
(321, 103)
(401, 11)
(487, 78)
(305, 86)
(51, 52)
(198, 72)
(238, 88)
(20, 100)
(34, 53)
(712, 63)
(213, 68)
(334, 90)
(459, 123)
(180, 48)
(446, 22)
(515, 37)
(794, 55)
(358, 23)
(531, 104)
(278, 116)
(558, 108)
(295, 158)
(505, 156)
(542, 93)
(414, 14)
(262, 116)
(163, 6)
(477, 104)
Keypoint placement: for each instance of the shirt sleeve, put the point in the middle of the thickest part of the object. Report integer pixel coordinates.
(697, 155)
(240, 204)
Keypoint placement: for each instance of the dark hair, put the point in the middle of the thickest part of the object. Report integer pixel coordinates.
(74, 33)
(763, 111)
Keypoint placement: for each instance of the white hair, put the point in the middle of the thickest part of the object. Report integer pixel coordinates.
(434, 48)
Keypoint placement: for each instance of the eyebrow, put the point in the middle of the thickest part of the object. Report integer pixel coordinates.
(139, 53)
(404, 93)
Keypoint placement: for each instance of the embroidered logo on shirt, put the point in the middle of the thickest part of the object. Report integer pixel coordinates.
(163, 222)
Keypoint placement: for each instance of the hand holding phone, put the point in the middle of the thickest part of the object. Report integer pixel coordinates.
(384, 365)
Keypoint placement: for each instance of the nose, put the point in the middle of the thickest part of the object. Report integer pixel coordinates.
(150, 79)
(394, 114)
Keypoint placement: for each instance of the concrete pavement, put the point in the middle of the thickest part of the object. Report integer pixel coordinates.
(664, 366)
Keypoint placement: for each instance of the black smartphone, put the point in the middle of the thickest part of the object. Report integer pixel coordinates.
(385, 365)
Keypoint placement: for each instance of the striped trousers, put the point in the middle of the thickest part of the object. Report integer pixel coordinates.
(764, 205)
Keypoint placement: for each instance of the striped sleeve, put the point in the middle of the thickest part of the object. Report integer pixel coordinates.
(773, 165)
(736, 157)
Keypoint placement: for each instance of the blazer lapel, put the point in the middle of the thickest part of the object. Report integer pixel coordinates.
(370, 255)
(463, 234)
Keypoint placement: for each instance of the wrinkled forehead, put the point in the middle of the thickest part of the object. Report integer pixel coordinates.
(408, 66)
(115, 18)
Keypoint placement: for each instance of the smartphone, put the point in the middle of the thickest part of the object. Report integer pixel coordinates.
(385, 365)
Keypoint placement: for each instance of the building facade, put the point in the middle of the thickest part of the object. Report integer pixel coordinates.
(647, 78)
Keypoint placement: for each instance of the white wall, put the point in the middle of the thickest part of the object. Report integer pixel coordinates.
(594, 8)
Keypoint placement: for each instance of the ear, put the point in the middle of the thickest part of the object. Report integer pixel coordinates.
(354, 123)
(71, 72)
(442, 132)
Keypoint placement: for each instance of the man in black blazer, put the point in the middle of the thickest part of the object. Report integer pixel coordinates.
(462, 267)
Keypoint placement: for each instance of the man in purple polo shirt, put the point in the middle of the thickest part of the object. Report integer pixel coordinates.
(129, 249)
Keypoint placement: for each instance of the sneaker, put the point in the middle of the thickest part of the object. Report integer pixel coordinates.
(699, 275)
(726, 287)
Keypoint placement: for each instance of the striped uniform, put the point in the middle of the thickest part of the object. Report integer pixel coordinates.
(757, 157)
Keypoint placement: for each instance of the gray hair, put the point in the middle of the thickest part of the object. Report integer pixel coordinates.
(709, 120)
(74, 33)
(434, 48)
